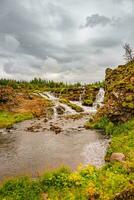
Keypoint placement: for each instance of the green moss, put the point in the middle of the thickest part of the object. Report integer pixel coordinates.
(124, 104)
(129, 98)
(72, 105)
(8, 119)
(75, 107)
(88, 102)
(128, 105)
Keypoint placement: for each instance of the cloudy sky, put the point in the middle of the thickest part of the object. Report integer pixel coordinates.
(63, 40)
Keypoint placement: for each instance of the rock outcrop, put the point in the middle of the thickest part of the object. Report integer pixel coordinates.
(119, 93)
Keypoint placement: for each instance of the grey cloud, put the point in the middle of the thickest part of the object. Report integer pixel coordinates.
(26, 65)
(106, 42)
(9, 42)
(43, 39)
(100, 20)
(96, 19)
(121, 1)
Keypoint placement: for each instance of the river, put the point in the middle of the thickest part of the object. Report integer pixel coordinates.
(25, 150)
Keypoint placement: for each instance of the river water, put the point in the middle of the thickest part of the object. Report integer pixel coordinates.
(26, 151)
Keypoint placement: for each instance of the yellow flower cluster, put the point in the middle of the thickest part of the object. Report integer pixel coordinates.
(75, 178)
(88, 169)
(91, 189)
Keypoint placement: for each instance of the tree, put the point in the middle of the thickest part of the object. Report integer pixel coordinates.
(129, 55)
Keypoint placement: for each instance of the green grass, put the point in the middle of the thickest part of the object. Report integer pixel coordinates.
(109, 127)
(20, 189)
(85, 182)
(72, 105)
(8, 119)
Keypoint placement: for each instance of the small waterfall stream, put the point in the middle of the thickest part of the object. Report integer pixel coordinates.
(82, 94)
(99, 99)
(98, 102)
(56, 103)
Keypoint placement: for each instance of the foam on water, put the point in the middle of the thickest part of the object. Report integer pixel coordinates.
(94, 153)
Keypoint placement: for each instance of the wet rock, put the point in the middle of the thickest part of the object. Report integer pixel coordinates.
(55, 128)
(80, 127)
(45, 120)
(34, 128)
(1, 131)
(117, 157)
(8, 129)
(125, 195)
(60, 110)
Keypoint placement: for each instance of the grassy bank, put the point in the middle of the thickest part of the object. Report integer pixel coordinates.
(86, 182)
(7, 119)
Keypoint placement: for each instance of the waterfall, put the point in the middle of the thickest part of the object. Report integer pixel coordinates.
(55, 100)
(82, 94)
(99, 98)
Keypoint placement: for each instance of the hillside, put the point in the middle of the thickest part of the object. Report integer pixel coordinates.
(18, 105)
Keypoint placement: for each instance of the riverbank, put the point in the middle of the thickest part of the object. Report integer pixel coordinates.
(86, 182)
(18, 106)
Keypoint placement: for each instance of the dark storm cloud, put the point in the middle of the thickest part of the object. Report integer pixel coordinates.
(43, 38)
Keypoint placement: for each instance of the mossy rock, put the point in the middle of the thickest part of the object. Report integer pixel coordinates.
(87, 102)
(129, 98)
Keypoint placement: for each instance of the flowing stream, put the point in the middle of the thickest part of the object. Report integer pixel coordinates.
(31, 147)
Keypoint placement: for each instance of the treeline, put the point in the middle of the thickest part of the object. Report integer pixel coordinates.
(38, 83)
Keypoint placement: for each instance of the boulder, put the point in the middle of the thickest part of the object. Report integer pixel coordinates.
(34, 128)
(60, 110)
(117, 157)
(55, 128)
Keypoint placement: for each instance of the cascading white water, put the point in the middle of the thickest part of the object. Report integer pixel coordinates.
(56, 102)
(50, 96)
(82, 94)
(99, 98)
(98, 102)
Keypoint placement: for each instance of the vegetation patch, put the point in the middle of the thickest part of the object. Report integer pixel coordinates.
(8, 119)
(87, 102)
(72, 105)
